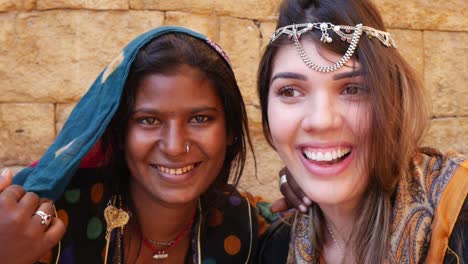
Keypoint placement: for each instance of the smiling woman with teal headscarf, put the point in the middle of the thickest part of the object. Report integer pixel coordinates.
(140, 170)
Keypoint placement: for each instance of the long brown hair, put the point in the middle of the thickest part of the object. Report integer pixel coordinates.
(398, 121)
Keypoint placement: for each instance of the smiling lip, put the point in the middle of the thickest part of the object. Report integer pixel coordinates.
(176, 173)
(326, 161)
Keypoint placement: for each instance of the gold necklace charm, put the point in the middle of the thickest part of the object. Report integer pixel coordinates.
(115, 218)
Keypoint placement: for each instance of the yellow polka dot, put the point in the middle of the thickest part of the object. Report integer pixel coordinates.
(232, 245)
(97, 192)
(63, 215)
(216, 218)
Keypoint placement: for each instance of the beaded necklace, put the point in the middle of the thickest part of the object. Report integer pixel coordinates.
(163, 253)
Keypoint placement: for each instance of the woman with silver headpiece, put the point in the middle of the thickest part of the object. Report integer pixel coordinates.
(346, 114)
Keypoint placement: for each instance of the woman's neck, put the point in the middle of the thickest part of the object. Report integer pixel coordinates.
(160, 221)
(340, 219)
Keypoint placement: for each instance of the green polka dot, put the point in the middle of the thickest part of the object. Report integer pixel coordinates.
(209, 261)
(72, 196)
(94, 228)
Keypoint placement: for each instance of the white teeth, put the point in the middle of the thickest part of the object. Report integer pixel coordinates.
(328, 155)
(176, 171)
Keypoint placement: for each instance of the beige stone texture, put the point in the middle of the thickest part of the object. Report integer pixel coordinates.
(16, 5)
(240, 38)
(26, 131)
(252, 9)
(83, 4)
(52, 50)
(200, 6)
(448, 133)
(265, 183)
(57, 55)
(266, 29)
(62, 111)
(411, 46)
(446, 72)
(7, 41)
(205, 24)
(447, 15)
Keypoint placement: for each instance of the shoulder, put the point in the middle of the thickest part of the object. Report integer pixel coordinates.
(274, 245)
(444, 176)
(433, 163)
(438, 172)
(81, 207)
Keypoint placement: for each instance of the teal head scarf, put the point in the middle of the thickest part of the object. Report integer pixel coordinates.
(89, 119)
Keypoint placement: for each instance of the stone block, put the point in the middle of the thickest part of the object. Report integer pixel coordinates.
(196, 7)
(266, 29)
(445, 72)
(7, 43)
(240, 38)
(448, 133)
(419, 14)
(62, 111)
(27, 131)
(58, 54)
(265, 183)
(205, 24)
(252, 9)
(83, 4)
(411, 46)
(16, 5)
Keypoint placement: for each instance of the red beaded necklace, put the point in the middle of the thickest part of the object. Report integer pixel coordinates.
(163, 253)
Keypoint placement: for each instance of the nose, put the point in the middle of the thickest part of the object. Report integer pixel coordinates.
(321, 112)
(174, 139)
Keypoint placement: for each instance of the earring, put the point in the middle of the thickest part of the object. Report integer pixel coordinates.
(187, 147)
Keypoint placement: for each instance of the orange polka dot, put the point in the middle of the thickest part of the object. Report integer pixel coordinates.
(97, 192)
(63, 215)
(215, 218)
(232, 245)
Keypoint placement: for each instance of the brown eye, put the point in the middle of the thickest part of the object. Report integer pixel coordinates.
(354, 90)
(351, 90)
(288, 92)
(148, 121)
(199, 119)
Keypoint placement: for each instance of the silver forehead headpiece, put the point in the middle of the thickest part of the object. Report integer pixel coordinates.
(350, 34)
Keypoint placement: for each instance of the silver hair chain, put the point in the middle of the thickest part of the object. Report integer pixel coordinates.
(295, 31)
(325, 38)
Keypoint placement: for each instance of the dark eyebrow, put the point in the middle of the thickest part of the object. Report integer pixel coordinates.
(289, 75)
(204, 108)
(343, 75)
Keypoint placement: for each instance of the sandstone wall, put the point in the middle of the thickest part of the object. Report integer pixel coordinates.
(51, 51)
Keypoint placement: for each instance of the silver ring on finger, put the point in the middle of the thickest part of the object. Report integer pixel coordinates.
(282, 180)
(46, 218)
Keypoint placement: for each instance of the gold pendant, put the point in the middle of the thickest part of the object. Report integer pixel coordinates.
(114, 218)
(161, 255)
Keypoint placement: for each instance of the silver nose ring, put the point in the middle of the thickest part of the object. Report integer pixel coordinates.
(187, 147)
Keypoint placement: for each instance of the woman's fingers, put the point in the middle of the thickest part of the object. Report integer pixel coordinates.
(294, 195)
(5, 179)
(28, 221)
(44, 215)
(12, 194)
(54, 233)
(279, 206)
